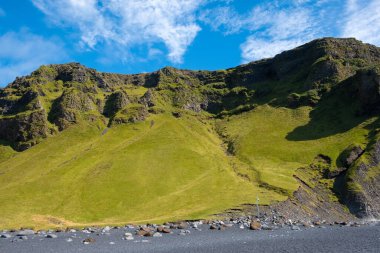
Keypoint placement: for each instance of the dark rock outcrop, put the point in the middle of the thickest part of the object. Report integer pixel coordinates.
(361, 192)
(115, 102)
(24, 130)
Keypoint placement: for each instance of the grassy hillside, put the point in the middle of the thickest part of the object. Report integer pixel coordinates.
(81, 147)
(132, 173)
(264, 139)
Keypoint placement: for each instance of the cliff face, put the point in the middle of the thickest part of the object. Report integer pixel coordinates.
(55, 97)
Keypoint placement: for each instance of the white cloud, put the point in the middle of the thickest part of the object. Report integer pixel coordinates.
(275, 30)
(363, 21)
(224, 19)
(253, 48)
(129, 23)
(273, 27)
(22, 52)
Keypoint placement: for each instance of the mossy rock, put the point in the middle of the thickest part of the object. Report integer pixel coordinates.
(131, 114)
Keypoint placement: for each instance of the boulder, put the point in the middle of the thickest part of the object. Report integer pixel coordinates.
(52, 236)
(183, 225)
(213, 227)
(255, 225)
(88, 240)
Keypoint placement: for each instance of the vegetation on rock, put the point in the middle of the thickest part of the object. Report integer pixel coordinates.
(181, 144)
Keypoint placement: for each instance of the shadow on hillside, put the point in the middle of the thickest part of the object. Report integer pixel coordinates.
(336, 113)
(7, 144)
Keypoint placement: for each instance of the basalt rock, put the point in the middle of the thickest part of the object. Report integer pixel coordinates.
(24, 130)
(361, 191)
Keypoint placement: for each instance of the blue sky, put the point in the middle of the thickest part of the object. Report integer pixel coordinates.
(132, 36)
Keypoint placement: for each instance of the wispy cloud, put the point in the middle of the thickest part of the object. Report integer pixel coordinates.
(363, 21)
(129, 23)
(274, 26)
(275, 30)
(22, 52)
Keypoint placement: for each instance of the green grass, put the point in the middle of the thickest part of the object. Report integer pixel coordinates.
(261, 139)
(174, 170)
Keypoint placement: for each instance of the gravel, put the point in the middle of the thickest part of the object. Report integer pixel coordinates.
(365, 238)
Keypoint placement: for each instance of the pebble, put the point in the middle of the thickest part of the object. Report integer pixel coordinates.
(184, 232)
(69, 240)
(5, 236)
(128, 238)
(23, 237)
(88, 240)
(106, 229)
(26, 232)
(157, 234)
(52, 236)
(295, 227)
(213, 226)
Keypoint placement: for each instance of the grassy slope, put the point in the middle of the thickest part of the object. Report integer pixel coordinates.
(264, 138)
(133, 173)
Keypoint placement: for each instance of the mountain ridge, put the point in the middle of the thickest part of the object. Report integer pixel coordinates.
(282, 127)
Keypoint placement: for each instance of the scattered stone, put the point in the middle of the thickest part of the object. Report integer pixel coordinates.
(183, 225)
(146, 229)
(52, 236)
(294, 227)
(26, 232)
(241, 226)
(128, 238)
(317, 223)
(69, 240)
(88, 240)
(112, 243)
(5, 236)
(213, 226)
(165, 230)
(106, 229)
(146, 233)
(255, 225)
(184, 232)
(157, 234)
(23, 237)
(72, 231)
